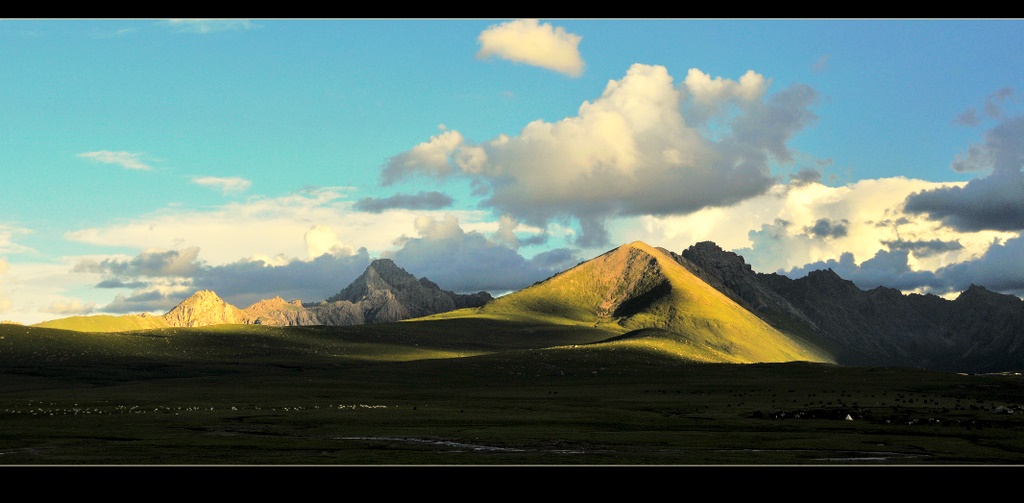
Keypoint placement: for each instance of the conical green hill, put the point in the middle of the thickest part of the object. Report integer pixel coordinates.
(636, 286)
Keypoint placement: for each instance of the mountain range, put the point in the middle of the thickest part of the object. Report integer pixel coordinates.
(383, 293)
(704, 304)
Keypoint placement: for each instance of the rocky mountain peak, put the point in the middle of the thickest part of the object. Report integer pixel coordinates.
(708, 253)
(203, 308)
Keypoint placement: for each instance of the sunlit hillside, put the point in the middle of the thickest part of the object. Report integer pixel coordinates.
(637, 286)
(106, 323)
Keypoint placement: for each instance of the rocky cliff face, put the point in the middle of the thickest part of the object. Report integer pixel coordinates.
(383, 293)
(278, 312)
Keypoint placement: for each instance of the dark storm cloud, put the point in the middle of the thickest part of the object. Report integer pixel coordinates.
(143, 301)
(999, 269)
(887, 268)
(826, 228)
(924, 248)
(419, 201)
(804, 177)
(245, 282)
(151, 264)
(995, 202)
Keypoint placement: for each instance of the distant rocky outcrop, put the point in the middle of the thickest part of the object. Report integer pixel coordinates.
(383, 293)
(279, 312)
(386, 292)
(204, 308)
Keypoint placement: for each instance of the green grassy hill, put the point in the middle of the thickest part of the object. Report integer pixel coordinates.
(636, 287)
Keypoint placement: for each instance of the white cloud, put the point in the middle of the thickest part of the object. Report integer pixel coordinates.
(530, 42)
(776, 231)
(241, 229)
(70, 307)
(321, 239)
(127, 160)
(7, 245)
(429, 158)
(710, 95)
(33, 287)
(227, 185)
(204, 26)
(628, 153)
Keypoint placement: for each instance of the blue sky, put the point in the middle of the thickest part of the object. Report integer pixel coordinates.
(144, 159)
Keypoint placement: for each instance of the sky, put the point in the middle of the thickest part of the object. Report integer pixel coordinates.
(142, 160)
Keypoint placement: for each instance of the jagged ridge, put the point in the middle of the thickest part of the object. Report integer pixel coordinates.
(979, 331)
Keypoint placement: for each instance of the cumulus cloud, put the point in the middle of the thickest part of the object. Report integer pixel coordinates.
(321, 239)
(530, 42)
(892, 269)
(887, 268)
(432, 157)
(628, 153)
(506, 234)
(994, 202)
(470, 262)
(70, 307)
(419, 201)
(204, 26)
(227, 185)
(713, 96)
(127, 160)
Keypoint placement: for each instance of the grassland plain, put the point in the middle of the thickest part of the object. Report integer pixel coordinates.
(473, 391)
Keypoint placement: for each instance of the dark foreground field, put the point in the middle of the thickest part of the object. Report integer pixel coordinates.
(472, 393)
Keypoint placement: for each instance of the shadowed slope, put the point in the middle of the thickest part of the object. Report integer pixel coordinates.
(637, 286)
